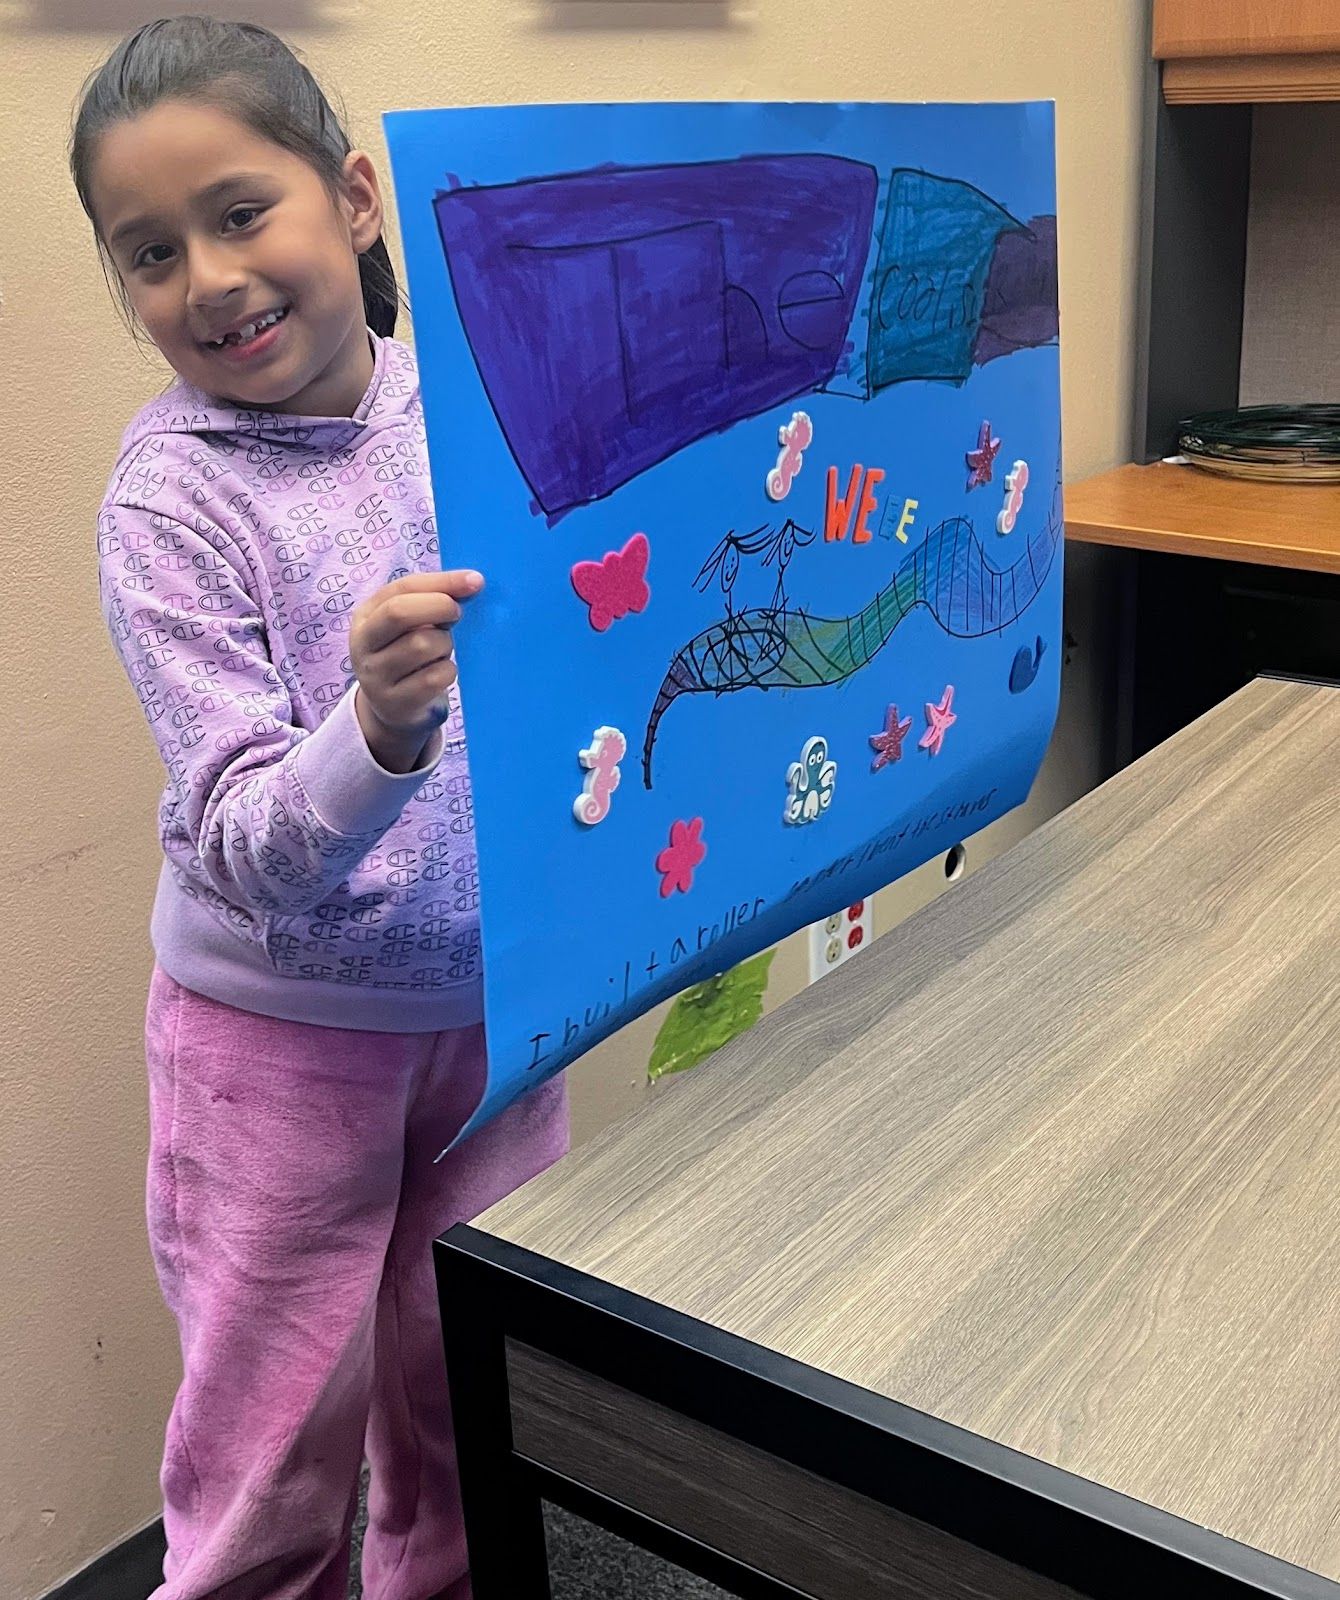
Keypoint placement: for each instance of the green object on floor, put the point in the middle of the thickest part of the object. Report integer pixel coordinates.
(709, 1015)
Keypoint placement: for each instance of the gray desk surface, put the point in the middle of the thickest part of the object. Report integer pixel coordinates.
(1057, 1160)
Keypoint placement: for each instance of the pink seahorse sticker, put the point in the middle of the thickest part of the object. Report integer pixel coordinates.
(795, 437)
(1016, 481)
(601, 759)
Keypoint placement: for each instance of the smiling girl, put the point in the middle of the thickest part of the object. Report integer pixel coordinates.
(270, 578)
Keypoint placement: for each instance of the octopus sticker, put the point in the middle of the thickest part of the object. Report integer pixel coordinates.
(811, 782)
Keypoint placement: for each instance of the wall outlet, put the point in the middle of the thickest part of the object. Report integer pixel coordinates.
(839, 937)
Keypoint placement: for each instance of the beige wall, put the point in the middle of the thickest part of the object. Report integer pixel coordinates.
(87, 1357)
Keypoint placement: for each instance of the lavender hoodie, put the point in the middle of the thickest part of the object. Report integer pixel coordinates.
(301, 879)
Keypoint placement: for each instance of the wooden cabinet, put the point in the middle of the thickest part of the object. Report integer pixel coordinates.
(1245, 27)
(1248, 50)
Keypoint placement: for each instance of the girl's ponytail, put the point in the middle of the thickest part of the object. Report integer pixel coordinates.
(381, 293)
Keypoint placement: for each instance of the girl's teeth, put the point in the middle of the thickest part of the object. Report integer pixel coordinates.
(247, 333)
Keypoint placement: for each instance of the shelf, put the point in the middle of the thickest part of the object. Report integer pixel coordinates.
(1251, 79)
(1184, 511)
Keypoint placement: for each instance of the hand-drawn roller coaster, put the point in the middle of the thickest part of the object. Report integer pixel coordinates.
(779, 646)
(619, 314)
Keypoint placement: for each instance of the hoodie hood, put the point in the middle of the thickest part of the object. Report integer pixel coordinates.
(183, 409)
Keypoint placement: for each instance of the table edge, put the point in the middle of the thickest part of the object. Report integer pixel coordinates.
(555, 1307)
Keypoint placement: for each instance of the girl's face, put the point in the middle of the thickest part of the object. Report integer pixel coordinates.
(237, 259)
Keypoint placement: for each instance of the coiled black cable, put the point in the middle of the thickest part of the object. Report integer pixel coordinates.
(1295, 444)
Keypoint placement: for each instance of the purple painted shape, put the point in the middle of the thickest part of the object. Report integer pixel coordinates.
(1019, 307)
(616, 316)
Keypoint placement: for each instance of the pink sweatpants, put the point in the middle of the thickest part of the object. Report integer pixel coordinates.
(293, 1198)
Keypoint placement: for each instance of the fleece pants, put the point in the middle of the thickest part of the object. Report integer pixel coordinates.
(293, 1197)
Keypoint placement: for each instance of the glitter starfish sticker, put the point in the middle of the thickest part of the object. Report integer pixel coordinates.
(888, 746)
(982, 458)
(939, 720)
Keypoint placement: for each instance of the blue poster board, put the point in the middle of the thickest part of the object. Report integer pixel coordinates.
(750, 416)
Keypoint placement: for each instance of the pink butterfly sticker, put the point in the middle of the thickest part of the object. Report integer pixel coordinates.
(617, 585)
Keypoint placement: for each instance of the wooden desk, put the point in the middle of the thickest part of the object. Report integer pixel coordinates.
(1183, 511)
(1224, 581)
(1004, 1264)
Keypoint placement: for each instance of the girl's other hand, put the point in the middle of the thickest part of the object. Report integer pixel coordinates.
(400, 643)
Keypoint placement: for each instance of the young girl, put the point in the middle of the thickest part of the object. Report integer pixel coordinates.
(270, 578)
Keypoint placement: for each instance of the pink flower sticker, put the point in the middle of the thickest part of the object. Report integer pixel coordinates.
(681, 857)
(615, 585)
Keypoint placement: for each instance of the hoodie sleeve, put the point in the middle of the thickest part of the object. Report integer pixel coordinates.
(278, 815)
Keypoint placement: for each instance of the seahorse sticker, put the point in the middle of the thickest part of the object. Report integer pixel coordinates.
(602, 757)
(795, 438)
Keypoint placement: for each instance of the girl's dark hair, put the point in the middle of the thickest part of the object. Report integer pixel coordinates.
(248, 72)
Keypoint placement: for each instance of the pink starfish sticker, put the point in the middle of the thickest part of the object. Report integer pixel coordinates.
(981, 459)
(681, 857)
(889, 744)
(939, 720)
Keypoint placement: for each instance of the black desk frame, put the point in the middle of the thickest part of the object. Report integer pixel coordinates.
(1027, 1512)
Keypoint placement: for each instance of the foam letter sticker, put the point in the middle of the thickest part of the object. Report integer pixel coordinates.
(838, 512)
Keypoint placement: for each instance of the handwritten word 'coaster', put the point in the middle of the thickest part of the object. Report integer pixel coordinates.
(811, 782)
(795, 437)
(981, 460)
(1016, 481)
(682, 857)
(616, 585)
(607, 749)
(888, 746)
(939, 720)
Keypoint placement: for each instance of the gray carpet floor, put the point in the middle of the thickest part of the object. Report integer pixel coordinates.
(586, 1563)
